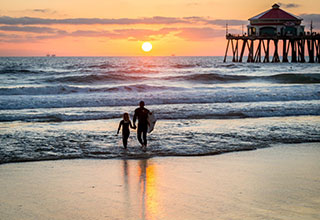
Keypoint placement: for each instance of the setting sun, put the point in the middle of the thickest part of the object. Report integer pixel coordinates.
(146, 46)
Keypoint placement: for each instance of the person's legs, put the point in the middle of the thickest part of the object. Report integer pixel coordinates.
(142, 130)
(139, 132)
(145, 137)
(125, 140)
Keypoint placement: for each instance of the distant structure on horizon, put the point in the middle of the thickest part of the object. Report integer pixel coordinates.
(275, 25)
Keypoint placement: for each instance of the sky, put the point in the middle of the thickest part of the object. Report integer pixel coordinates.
(119, 27)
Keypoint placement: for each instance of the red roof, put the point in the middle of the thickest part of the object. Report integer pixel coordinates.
(275, 13)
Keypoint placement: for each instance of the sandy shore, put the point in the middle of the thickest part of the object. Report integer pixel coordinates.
(282, 182)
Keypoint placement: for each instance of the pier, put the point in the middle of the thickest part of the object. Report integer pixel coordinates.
(275, 36)
(304, 48)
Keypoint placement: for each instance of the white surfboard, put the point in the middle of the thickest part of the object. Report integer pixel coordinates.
(151, 122)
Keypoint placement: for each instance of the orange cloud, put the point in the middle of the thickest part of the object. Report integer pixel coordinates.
(156, 20)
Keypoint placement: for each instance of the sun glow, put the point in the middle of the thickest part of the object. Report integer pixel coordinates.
(146, 46)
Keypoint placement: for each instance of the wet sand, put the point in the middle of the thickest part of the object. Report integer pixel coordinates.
(282, 182)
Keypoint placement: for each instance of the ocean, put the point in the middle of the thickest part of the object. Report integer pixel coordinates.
(70, 107)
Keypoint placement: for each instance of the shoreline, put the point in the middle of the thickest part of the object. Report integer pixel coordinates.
(280, 182)
(147, 156)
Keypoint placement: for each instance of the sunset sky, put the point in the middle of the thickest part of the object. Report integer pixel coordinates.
(119, 27)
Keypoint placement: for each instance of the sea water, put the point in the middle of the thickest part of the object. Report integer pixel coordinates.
(70, 107)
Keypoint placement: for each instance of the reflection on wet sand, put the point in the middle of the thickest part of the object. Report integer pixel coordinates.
(126, 187)
(146, 184)
(148, 190)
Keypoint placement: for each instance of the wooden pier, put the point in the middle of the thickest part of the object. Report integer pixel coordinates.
(300, 49)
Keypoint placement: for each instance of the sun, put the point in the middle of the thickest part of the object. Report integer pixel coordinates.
(146, 46)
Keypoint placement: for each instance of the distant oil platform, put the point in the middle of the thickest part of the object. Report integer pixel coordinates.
(283, 29)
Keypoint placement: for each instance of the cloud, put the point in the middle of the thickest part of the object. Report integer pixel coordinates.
(6, 20)
(142, 34)
(87, 21)
(191, 4)
(129, 34)
(33, 12)
(198, 28)
(289, 5)
(218, 22)
(315, 18)
(190, 34)
(199, 34)
(223, 23)
(30, 29)
(44, 11)
(12, 38)
(88, 33)
(311, 17)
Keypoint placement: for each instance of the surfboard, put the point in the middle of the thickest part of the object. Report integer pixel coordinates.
(151, 122)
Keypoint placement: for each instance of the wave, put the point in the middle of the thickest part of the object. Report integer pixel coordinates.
(31, 71)
(211, 78)
(125, 95)
(62, 89)
(45, 90)
(228, 65)
(129, 94)
(172, 112)
(93, 78)
(110, 77)
(140, 88)
(295, 78)
(103, 66)
(18, 71)
(285, 78)
(183, 66)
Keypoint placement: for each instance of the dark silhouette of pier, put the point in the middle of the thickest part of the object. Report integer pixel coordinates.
(304, 48)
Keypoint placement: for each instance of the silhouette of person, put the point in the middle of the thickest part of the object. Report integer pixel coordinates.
(125, 123)
(142, 114)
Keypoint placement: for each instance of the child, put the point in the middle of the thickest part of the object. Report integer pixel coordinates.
(125, 123)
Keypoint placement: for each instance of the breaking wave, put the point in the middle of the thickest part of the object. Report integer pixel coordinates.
(211, 78)
(286, 78)
(295, 78)
(63, 89)
(168, 111)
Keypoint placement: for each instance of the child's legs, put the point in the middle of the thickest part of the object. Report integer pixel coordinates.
(125, 139)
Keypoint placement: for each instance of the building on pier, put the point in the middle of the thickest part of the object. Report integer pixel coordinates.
(275, 22)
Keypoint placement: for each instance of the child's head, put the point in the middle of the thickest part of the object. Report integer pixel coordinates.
(126, 116)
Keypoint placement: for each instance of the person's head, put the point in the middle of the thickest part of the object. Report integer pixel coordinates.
(126, 116)
(141, 104)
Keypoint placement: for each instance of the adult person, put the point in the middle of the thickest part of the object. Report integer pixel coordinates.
(142, 114)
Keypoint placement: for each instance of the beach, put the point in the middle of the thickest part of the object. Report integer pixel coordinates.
(280, 182)
(159, 110)
(231, 141)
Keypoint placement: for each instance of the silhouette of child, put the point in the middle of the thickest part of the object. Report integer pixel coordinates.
(125, 123)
